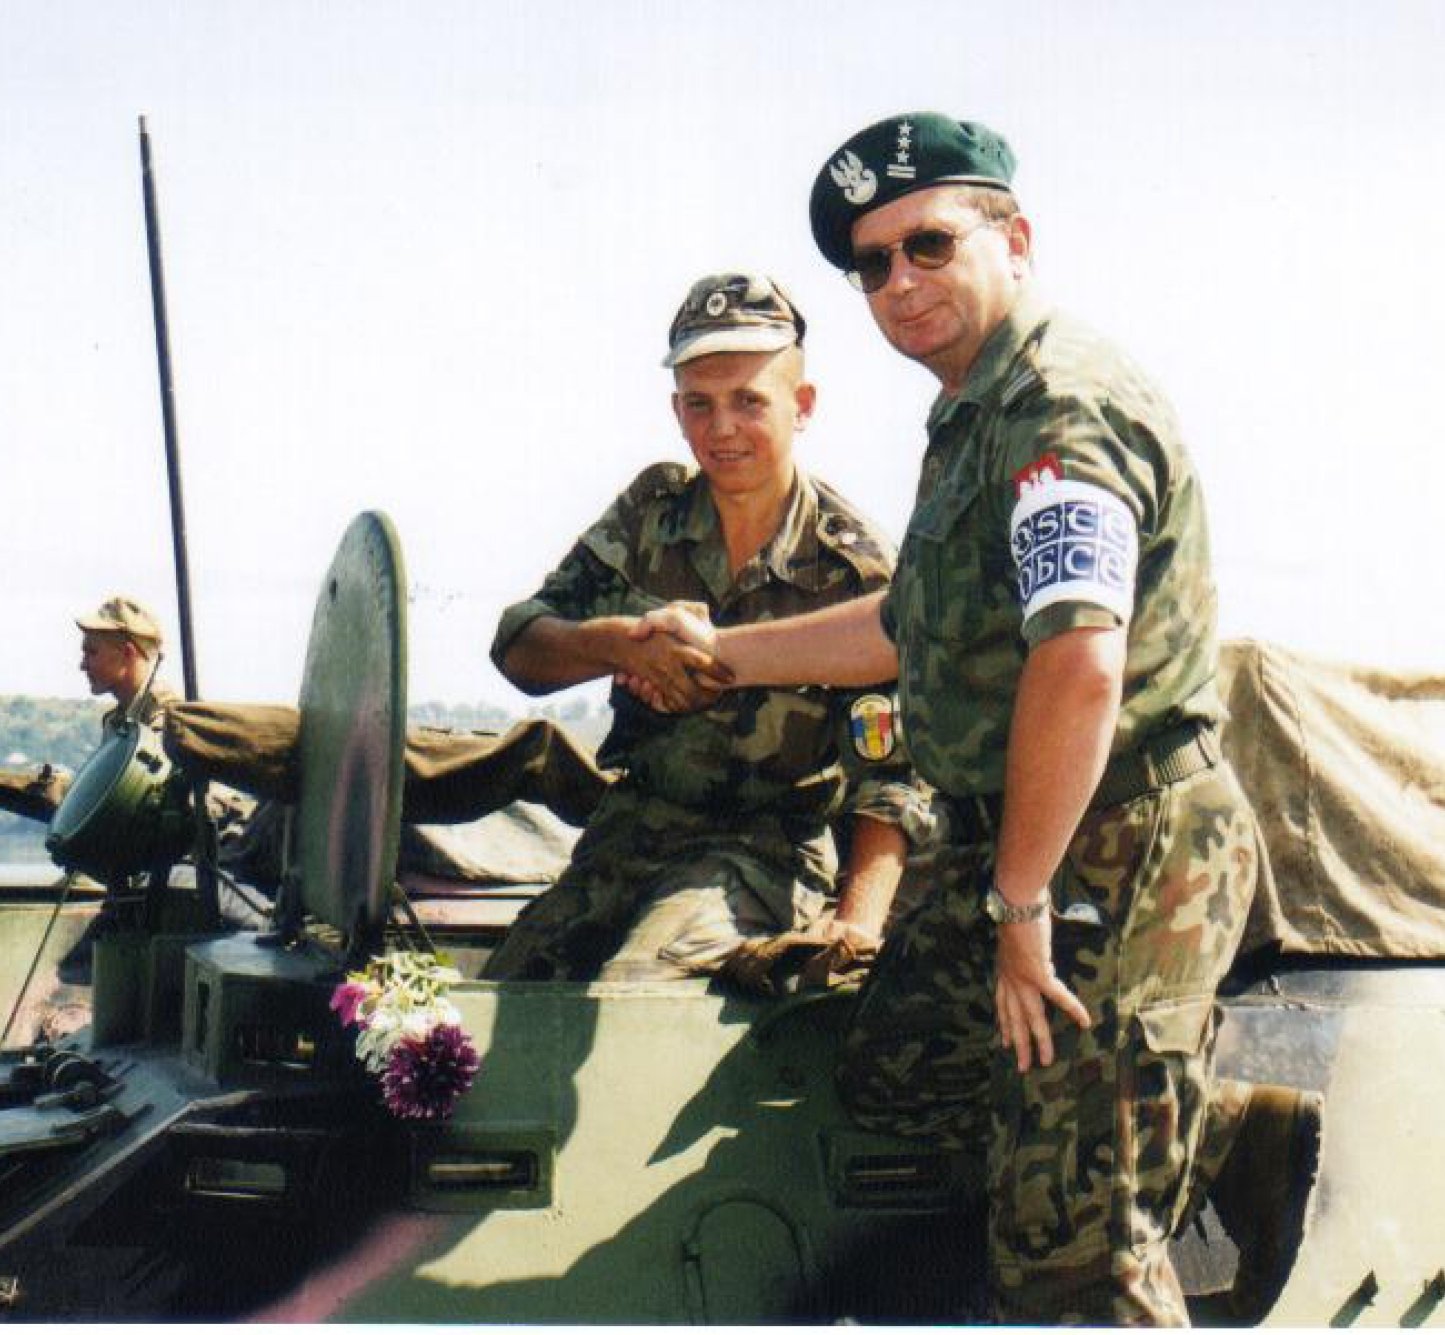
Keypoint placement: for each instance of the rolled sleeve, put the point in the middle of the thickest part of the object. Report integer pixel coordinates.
(514, 621)
(898, 802)
(582, 587)
(881, 783)
(1083, 488)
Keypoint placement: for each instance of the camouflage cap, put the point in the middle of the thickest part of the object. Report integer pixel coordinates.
(894, 158)
(124, 616)
(733, 312)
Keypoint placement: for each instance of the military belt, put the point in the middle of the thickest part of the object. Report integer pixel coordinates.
(1167, 757)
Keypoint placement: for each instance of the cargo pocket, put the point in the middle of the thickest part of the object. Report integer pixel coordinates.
(1112, 854)
(1163, 1097)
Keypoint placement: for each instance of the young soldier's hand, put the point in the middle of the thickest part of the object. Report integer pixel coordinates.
(680, 633)
(668, 675)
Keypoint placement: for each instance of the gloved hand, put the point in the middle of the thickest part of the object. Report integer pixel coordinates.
(822, 955)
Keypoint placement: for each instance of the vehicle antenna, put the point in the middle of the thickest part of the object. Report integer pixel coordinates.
(206, 880)
(168, 416)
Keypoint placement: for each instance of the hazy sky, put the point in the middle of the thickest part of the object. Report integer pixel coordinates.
(422, 258)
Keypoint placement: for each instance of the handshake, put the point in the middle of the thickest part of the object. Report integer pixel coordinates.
(672, 662)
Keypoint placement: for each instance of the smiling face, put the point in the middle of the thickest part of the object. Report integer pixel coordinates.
(738, 412)
(942, 317)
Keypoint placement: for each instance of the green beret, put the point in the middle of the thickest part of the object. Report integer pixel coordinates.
(894, 158)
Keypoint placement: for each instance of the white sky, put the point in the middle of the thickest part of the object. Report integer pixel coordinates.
(422, 258)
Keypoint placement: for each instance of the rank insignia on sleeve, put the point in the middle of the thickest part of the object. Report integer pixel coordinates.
(1046, 468)
(873, 728)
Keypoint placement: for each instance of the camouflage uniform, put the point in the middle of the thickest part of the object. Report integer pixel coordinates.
(719, 825)
(152, 713)
(1055, 494)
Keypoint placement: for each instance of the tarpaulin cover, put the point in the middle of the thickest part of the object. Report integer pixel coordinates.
(1345, 768)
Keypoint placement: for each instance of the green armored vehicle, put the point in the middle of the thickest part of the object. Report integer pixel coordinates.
(212, 1147)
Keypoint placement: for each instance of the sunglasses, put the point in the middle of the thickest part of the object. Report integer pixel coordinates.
(930, 248)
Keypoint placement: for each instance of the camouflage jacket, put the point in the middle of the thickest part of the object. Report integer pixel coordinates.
(1055, 493)
(756, 753)
(162, 697)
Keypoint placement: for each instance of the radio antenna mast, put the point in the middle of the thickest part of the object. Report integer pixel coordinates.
(205, 852)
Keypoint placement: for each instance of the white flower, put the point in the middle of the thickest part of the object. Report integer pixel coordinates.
(375, 1042)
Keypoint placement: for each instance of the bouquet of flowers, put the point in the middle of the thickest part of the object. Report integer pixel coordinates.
(409, 1035)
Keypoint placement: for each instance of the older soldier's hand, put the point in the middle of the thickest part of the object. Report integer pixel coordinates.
(682, 632)
(1026, 981)
(689, 622)
(669, 675)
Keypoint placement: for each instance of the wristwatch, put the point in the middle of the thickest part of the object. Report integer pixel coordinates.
(1003, 912)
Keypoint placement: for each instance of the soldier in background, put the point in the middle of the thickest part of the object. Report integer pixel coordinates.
(119, 652)
(714, 845)
(1052, 623)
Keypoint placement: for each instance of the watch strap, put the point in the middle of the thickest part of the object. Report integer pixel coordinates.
(1004, 912)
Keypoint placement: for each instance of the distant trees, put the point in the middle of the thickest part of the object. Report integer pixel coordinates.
(40, 728)
(35, 730)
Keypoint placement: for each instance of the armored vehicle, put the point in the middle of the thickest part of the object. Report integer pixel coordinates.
(212, 1147)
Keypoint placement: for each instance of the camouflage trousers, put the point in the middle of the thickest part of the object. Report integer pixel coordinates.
(655, 891)
(1095, 1161)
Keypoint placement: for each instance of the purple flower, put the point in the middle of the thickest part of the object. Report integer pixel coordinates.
(346, 1000)
(425, 1076)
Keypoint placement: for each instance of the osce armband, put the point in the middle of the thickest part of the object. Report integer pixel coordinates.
(1074, 541)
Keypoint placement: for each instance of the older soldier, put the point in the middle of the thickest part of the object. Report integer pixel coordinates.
(1053, 620)
(119, 650)
(716, 838)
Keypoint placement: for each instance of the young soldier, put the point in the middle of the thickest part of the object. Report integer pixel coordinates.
(716, 837)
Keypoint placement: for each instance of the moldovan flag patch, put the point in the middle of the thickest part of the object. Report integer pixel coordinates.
(871, 722)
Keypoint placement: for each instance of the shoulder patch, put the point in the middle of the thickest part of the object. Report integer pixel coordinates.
(1046, 468)
(859, 541)
(658, 480)
(873, 726)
